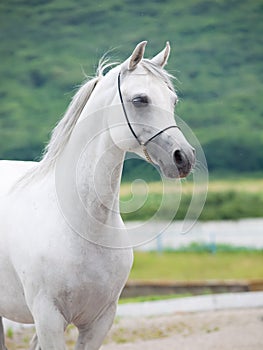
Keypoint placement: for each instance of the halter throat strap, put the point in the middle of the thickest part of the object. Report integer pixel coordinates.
(141, 143)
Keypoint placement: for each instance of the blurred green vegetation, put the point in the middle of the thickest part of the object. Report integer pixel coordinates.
(216, 55)
(226, 200)
(229, 205)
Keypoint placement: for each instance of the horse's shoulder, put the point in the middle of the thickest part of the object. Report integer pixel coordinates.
(11, 171)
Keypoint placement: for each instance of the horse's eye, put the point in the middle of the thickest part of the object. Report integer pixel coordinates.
(140, 101)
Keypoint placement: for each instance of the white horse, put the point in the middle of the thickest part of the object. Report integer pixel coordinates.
(51, 274)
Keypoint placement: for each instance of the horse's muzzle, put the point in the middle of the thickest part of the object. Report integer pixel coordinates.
(184, 161)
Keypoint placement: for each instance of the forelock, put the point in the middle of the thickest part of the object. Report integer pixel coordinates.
(158, 72)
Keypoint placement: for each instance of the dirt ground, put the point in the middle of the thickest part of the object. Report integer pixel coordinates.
(212, 330)
(224, 330)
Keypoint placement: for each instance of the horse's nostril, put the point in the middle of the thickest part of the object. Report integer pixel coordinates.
(179, 157)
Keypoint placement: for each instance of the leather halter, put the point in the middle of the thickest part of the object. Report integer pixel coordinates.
(141, 143)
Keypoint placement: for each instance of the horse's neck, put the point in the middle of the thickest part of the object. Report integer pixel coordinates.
(88, 172)
(100, 165)
(98, 175)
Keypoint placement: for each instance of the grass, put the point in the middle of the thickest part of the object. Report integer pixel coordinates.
(10, 333)
(195, 263)
(144, 298)
(238, 185)
(193, 266)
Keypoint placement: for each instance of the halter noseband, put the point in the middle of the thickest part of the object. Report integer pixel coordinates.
(141, 143)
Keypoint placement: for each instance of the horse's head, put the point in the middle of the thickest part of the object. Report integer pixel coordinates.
(145, 123)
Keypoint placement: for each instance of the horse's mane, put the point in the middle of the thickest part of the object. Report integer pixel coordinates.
(62, 131)
(158, 72)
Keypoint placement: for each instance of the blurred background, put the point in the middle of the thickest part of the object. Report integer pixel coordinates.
(47, 45)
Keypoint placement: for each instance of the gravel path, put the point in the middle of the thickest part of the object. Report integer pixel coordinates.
(211, 330)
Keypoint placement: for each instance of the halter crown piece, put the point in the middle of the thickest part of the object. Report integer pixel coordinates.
(141, 143)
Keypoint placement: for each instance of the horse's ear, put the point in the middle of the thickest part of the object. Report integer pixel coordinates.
(136, 56)
(161, 58)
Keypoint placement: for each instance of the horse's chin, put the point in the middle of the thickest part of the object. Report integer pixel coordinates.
(172, 172)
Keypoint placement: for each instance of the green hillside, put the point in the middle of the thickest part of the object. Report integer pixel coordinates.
(216, 54)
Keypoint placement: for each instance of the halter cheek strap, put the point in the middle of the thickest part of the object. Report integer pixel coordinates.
(141, 143)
